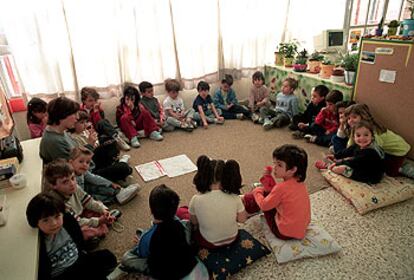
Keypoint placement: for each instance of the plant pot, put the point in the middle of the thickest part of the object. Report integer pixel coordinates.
(326, 71)
(300, 67)
(349, 77)
(288, 61)
(337, 79)
(408, 27)
(314, 66)
(278, 58)
(392, 31)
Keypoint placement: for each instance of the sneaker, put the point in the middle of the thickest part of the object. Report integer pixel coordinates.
(127, 194)
(139, 232)
(156, 135)
(331, 149)
(141, 134)
(310, 138)
(125, 158)
(186, 126)
(255, 118)
(298, 134)
(195, 125)
(268, 124)
(117, 274)
(115, 213)
(240, 116)
(122, 144)
(134, 142)
(217, 121)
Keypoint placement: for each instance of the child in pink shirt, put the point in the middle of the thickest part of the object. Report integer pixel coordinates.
(287, 207)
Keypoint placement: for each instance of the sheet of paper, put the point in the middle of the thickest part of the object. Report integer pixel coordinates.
(387, 76)
(150, 171)
(178, 165)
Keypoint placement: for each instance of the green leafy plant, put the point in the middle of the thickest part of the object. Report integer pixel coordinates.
(350, 61)
(394, 23)
(289, 50)
(326, 61)
(301, 60)
(315, 56)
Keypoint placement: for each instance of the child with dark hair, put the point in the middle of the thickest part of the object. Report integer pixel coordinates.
(303, 121)
(217, 208)
(103, 127)
(326, 122)
(164, 250)
(132, 116)
(286, 106)
(36, 117)
(225, 99)
(177, 115)
(258, 96)
(60, 178)
(153, 106)
(287, 207)
(340, 139)
(205, 111)
(62, 252)
(363, 161)
(56, 142)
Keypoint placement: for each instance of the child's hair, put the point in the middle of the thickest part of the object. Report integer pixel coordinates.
(362, 110)
(334, 96)
(60, 108)
(82, 116)
(79, 151)
(228, 79)
(322, 90)
(293, 83)
(57, 169)
(231, 181)
(131, 91)
(217, 167)
(293, 156)
(143, 86)
(258, 76)
(203, 86)
(172, 85)
(35, 105)
(89, 92)
(343, 104)
(204, 176)
(163, 202)
(365, 124)
(44, 204)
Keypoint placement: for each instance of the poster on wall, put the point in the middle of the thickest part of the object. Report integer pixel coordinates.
(384, 51)
(368, 57)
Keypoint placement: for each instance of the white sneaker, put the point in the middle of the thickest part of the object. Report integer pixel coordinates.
(127, 194)
(122, 144)
(240, 116)
(155, 135)
(141, 134)
(135, 143)
(125, 158)
(116, 274)
(217, 121)
(255, 117)
(268, 124)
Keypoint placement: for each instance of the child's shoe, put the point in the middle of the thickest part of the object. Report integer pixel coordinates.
(127, 194)
(407, 169)
(298, 134)
(255, 118)
(121, 143)
(134, 142)
(331, 149)
(115, 213)
(125, 158)
(156, 135)
(186, 127)
(217, 121)
(141, 134)
(268, 124)
(195, 125)
(240, 116)
(117, 274)
(310, 138)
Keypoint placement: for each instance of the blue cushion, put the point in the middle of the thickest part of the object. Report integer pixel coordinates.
(228, 260)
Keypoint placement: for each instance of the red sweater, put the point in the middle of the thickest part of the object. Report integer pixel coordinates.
(327, 120)
(94, 117)
(291, 200)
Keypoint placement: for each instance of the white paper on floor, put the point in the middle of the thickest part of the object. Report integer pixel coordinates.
(172, 167)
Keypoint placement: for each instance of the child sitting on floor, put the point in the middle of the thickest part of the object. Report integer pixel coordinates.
(363, 161)
(36, 117)
(92, 216)
(98, 187)
(217, 208)
(286, 106)
(287, 207)
(62, 252)
(205, 111)
(177, 115)
(225, 99)
(164, 251)
(258, 96)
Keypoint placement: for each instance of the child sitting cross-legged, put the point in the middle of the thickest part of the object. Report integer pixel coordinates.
(164, 251)
(287, 207)
(95, 185)
(258, 96)
(62, 252)
(93, 216)
(174, 108)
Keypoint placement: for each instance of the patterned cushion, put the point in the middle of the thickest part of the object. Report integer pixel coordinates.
(317, 242)
(367, 197)
(228, 260)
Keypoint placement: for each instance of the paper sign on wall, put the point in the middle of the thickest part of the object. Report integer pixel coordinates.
(387, 76)
(384, 51)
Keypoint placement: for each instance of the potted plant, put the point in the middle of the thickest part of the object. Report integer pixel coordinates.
(315, 62)
(300, 62)
(289, 51)
(408, 24)
(338, 75)
(278, 57)
(350, 64)
(392, 27)
(379, 29)
(326, 69)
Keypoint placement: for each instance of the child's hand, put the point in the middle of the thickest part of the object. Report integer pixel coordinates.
(220, 118)
(229, 105)
(116, 186)
(205, 125)
(340, 169)
(330, 157)
(258, 190)
(129, 103)
(92, 138)
(97, 107)
(302, 125)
